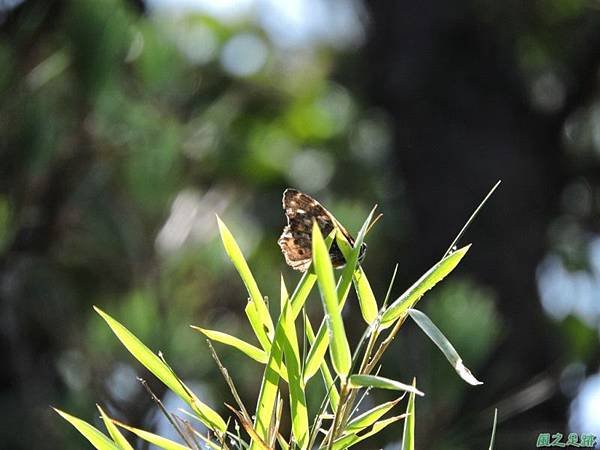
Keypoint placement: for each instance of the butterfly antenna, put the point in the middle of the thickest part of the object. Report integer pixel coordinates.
(374, 222)
(468, 223)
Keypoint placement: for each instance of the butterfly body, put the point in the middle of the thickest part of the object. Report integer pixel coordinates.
(301, 211)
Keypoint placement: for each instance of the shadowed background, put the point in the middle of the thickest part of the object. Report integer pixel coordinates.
(126, 125)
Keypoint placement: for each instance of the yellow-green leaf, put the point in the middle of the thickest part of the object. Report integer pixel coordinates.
(369, 417)
(351, 255)
(155, 439)
(235, 254)
(434, 275)
(289, 343)
(92, 434)
(366, 298)
(248, 349)
(408, 434)
(375, 381)
(333, 394)
(154, 364)
(316, 353)
(114, 432)
(349, 440)
(338, 343)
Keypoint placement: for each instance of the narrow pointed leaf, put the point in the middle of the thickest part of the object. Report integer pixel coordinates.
(248, 349)
(369, 417)
(269, 388)
(289, 343)
(348, 441)
(316, 353)
(333, 394)
(366, 298)
(257, 325)
(434, 275)
(375, 381)
(339, 348)
(444, 345)
(113, 431)
(284, 297)
(367, 304)
(282, 443)
(351, 256)
(163, 372)
(92, 434)
(235, 254)
(302, 291)
(408, 435)
(155, 439)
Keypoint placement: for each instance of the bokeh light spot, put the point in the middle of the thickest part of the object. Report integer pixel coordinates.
(244, 55)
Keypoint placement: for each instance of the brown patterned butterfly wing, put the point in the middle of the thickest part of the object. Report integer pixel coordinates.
(295, 241)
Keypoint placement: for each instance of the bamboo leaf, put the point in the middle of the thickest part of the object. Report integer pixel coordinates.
(114, 432)
(317, 352)
(257, 325)
(348, 441)
(333, 394)
(269, 388)
(339, 348)
(154, 364)
(375, 381)
(351, 255)
(369, 417)
(235, 254)
(155, 439)
(368, 304)
(408, 435)
(444, 345)
(434, 275)
(366, 298)
(289, 343)
(302, 290)
(92, 434)
(248, 349)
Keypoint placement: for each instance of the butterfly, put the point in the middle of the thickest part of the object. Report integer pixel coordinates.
(301, 210)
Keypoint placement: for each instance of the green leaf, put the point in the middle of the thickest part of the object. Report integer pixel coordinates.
(268, 389)
(92, 434)
(408, 435)
(369, 417)
(163, 372)
(316, 353)
(302, 290)
(333, 394)
(339, 348)
(434, 275)
(444, 345)
(366, 298)
(351, 256)
(257, 325)
(349, 440)
(248, 349)
(114, 432)
(358, 381)
(289, 343)
(368, 304)
(155, 439)
(235, 254)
